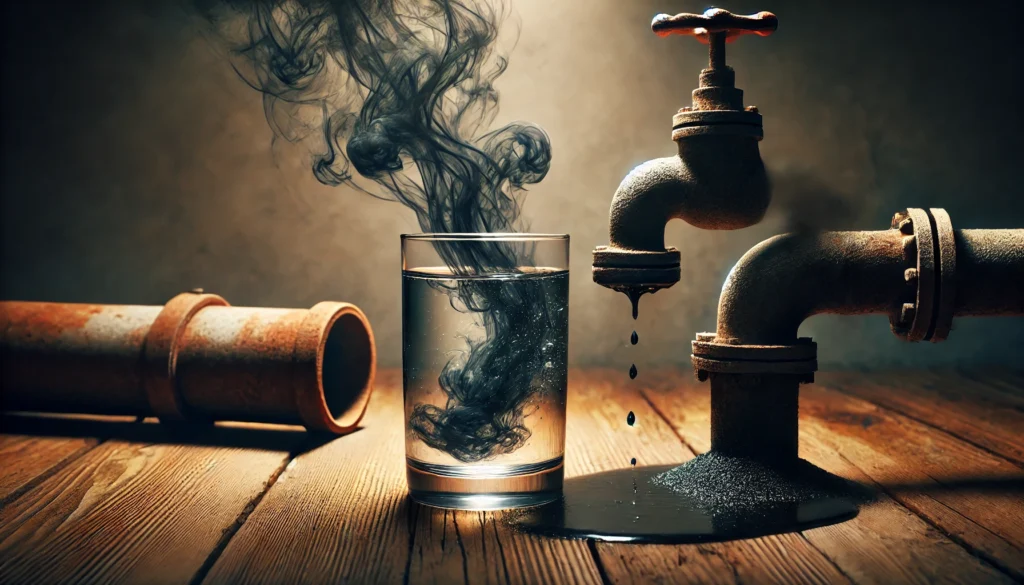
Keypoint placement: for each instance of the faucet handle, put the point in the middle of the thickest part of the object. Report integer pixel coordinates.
(715, 22)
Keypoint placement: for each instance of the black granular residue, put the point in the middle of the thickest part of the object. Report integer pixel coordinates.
(720, 483)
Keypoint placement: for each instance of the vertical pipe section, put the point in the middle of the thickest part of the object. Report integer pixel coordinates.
(755, 416)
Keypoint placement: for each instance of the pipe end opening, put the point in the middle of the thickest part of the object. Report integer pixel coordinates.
(348, 368)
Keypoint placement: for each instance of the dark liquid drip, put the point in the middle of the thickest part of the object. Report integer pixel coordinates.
(632, 372)
(630, 418)
(634, 297)
(634, 338)
(633, 461)
(626, 506)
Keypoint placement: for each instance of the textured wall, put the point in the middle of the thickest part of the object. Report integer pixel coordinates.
(137, 165)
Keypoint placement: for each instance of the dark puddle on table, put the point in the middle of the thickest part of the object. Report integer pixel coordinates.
(626, 506)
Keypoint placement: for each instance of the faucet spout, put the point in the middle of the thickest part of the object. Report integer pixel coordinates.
(716, 181)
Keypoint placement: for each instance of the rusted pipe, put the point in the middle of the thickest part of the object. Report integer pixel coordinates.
(921, 273)
(786, 279)
(195, 359)
(990, 273)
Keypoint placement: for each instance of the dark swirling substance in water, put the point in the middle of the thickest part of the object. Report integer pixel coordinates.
(491, 387)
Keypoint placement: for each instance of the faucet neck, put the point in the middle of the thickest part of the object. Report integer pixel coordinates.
(717, 84)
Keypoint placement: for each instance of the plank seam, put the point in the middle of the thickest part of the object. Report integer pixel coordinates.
(412, 516)
(675, 431)
(462, 549)
(976, 552)
(970, 550)
(902, 413)
(596, 556)
(48, 473)
(243, 516)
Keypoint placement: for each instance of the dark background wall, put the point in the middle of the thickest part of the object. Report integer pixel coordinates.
(137, 165)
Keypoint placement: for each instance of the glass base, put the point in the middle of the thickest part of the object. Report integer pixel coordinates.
(485, 487)
(483, 502)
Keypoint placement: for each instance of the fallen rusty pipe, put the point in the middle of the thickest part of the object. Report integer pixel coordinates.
(922, 273)
(716, 181)
(194, 359)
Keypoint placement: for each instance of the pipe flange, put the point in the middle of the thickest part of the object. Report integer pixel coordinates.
(930, 249)
(947, 275)
(616, 268)
(711, 355)
(735, 122)
(160, 353)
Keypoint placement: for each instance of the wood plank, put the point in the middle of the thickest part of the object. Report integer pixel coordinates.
(978, 412)
(25, 461)
(599, 440)
(341, 513)
(1008, 380)
(969, 494)
(136, 512)
(885, 543)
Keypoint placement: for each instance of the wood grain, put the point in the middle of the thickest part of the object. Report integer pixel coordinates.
(152, 505)
(25, 461)
(885, 543)
(599, 440)
(985, 413)
(130, 513)
(340, 514)
(969, 494)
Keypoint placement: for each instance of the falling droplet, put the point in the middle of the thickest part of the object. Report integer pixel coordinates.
(633, 461)
(632, 372)
(634, 338)
(630, 418)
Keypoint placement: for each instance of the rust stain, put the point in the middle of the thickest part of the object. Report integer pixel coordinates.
(45, 319)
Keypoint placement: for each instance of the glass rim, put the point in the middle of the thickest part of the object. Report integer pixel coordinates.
(484, 237)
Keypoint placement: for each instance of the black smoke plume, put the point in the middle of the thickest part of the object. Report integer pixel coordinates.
(400, 93)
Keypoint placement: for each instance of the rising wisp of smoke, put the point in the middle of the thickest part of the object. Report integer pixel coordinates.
(396, 98)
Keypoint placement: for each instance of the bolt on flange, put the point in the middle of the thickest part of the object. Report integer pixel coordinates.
(930, 249)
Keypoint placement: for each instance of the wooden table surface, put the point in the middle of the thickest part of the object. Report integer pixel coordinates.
(121, 501)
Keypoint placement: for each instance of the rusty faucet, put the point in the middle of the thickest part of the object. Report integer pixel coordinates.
(716, 181)
(921, 272)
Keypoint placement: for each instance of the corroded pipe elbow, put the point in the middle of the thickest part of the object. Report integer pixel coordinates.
(786, 279)
(922, 273)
